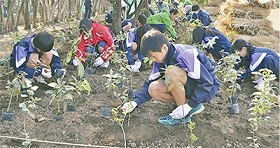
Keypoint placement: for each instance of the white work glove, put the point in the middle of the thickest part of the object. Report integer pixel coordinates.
(75, 62)
(99, 61)
(128, 107)
(46, 72)
(134, 68)
(181, 111)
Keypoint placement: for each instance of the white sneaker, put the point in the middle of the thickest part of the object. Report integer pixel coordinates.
(105, 64)
(138, 64)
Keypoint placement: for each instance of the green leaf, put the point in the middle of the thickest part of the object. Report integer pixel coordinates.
(68, 57)
(53, 85)
(81, 70)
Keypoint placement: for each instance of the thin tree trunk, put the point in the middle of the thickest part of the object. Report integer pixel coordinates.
(1, 18)
(35, 7)
(51, 15)
(117, 16)
(18, 14)
(78, 9)
(9, 23)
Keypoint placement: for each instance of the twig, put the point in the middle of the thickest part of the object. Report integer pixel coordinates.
(7, 73)
(53, 142)
(121, 125)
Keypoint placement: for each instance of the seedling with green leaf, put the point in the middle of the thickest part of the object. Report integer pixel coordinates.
(229, 75)
(29, 100)
(263, 100)
(61, 91)
(113, 82)
(59, 94)
(191, 127)
(16, 86)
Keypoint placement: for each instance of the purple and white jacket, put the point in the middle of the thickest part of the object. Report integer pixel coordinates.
(20, 56)
(201, 74)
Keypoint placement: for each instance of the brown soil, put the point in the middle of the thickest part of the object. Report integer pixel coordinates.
(215, 127)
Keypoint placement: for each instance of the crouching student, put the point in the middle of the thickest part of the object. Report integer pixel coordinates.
(132, 43)
(191, 73)
(205, 35)
(30, 50)
(95, 38)
(254, 58)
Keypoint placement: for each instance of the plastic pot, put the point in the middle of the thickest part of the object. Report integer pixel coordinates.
(90, 71)
(106, 112)
(71, 105)
(7, 115)
(59, 117)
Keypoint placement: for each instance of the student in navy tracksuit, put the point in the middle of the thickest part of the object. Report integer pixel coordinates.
(189, 71)
(132, 43)
(37, 47)
(200, 14)
(205, 34)
(254, 58)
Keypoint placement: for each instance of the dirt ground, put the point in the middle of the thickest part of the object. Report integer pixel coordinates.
(215, 127)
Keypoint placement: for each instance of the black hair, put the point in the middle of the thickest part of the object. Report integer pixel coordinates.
(160, 2)
(195, 7)
(239, 44)
(198, 34)
(152, 41)
(85, 25)
(43, 41)
(142, 19)
(174, 11)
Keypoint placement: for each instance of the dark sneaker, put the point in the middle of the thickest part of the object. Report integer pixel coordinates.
(169, 121)
(200, 107)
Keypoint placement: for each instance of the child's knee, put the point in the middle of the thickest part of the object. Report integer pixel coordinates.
(155, 86)
(175, 72)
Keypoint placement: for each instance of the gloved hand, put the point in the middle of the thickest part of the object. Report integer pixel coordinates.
(99, 61)
(60, 73)
(46, 72)
(73, 62)
(181, 111)
(134, 68)
(128, 107)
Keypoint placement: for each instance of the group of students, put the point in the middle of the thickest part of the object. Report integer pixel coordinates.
(184, 64)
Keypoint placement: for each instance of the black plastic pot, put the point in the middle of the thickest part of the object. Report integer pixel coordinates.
(71, 105)
(59, 117)
(90, 71)
(7, 115)
(106, 112)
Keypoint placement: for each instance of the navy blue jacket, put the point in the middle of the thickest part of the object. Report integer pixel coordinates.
(259, 58)
(202, 83)
(20, 56)
(203, 16)
(222, 43)
(132, 37)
